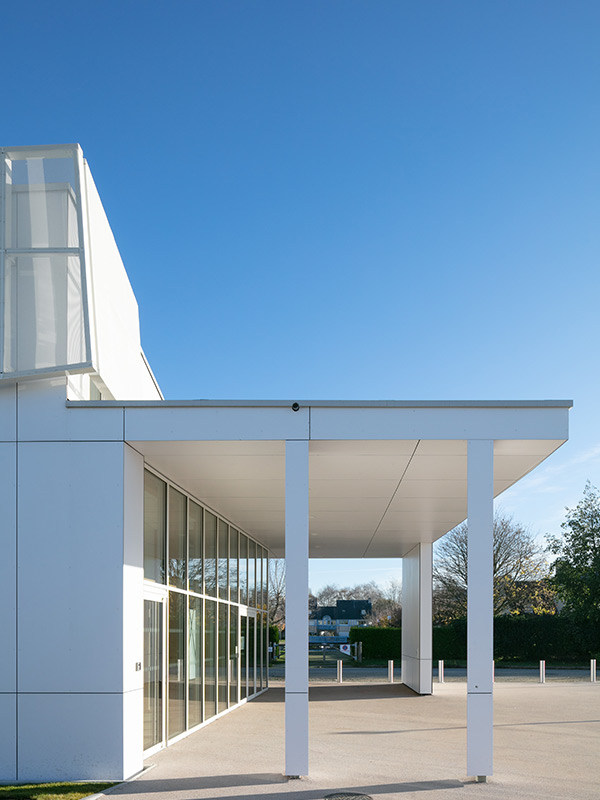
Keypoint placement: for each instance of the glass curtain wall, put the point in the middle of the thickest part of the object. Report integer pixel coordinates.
(213, 578)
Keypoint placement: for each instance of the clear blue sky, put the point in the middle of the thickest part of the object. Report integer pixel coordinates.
(341, 199)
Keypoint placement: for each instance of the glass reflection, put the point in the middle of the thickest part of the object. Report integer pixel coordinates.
(233, 654)
(223, 559)
(210, 554)
(195, 548)
(223, 656)
(251, 573)
(210, 655)
(153, 668)
(243, 569)
(177, 664)
(195, 662)
(177, 539)
(155, 528)
(233, 565)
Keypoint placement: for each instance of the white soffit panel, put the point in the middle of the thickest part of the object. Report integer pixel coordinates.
(367, 498)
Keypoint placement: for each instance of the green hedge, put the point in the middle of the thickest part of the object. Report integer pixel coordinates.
(524, 638)
(516, 638)
(383, 643)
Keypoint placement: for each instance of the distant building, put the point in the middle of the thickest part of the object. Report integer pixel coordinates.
(337, 620)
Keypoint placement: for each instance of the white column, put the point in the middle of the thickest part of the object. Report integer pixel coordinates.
(296, 608)
(416, 619)
(480, 614)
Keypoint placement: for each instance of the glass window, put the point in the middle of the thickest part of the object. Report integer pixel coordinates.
(233, 565)
(265, 653)
(243, 569)
(177, 664)
(233, 654)
(223, 657)
(251, 656)
(251, 573)
(243, 656)
(210, 655)
(223, 559)
(210, 554)
(177, 539)
(265, 580)
(155, 504)
(153, 669)
(195, 662)
(43, 312)
(195, 552)
(259, 576)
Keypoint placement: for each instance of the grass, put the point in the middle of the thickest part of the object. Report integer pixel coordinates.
(52, 791)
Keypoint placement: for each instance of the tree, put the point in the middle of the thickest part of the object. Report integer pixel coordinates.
(387, 605)
(519, 565)
(576, 570)
(277, 591)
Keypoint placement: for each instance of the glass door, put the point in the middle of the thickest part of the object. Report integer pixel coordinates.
(247, 652)
(154, 652)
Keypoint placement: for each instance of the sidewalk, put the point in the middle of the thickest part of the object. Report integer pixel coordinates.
(386, 742)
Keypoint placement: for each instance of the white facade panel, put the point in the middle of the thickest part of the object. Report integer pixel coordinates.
(70, 566)
(215, 424)
(8, 567)
(43, 415)
(119, 358)
(296, 630)
(133, 731)
(439, 423)
(133, 569)
(66, 737)
(480, 608)
(8, 413)
(416, 619)
(8, 737)
(480, 734)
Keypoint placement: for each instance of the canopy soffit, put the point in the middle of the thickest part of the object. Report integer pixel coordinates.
(370, 495)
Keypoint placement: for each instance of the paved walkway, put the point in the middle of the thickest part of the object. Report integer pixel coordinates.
(386, 742)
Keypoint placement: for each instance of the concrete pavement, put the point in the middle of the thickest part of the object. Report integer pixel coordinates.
(386, 742)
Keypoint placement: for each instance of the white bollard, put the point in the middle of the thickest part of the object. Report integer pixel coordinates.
(339, 672)
(390, 671)
(542, 672)
(440, 671)
(593, 677)
(493, 672)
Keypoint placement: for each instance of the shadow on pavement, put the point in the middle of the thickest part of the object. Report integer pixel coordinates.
(337, 691)
(294, 792)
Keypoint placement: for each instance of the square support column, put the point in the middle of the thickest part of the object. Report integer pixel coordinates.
(296, 608)
(480, 613)
(416, 619)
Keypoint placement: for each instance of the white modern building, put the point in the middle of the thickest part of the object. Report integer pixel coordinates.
(136, 531)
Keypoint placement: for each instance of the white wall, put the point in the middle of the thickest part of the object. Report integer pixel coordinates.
(133, 610)
(75, 697)
(8, 588)
(114, 310)
(416, 619)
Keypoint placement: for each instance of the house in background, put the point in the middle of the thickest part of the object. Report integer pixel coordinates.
(136, 531)
(338, 619)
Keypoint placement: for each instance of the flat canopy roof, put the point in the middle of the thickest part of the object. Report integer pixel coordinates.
(383, 475)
